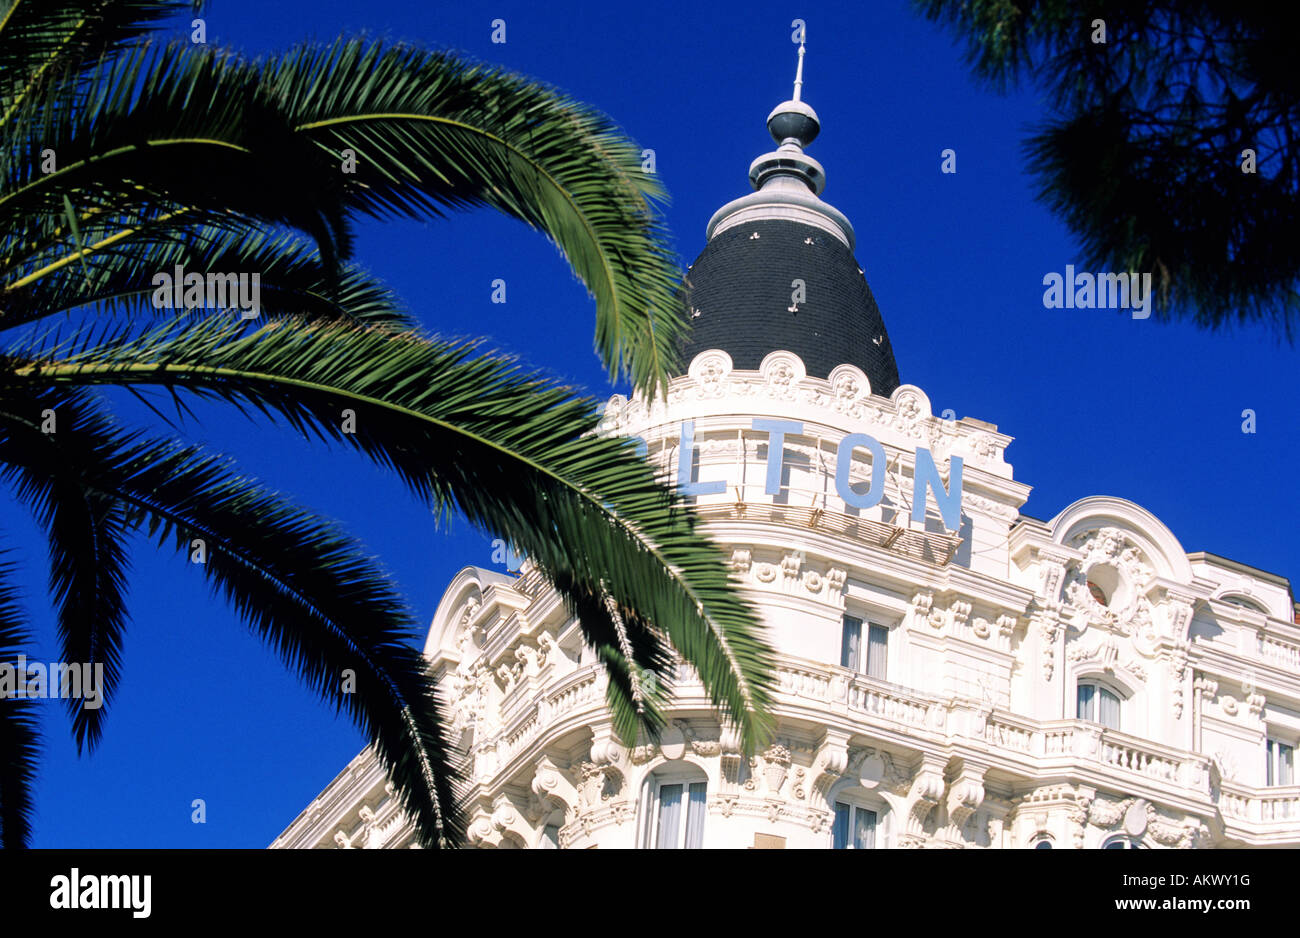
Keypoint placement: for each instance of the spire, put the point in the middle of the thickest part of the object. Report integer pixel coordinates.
(787, 181)
(798, 71)
(745, 294)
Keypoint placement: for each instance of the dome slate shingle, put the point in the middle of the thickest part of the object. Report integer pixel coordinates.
(739, 293)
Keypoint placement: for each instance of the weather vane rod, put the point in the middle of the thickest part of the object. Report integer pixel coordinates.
(798, 72)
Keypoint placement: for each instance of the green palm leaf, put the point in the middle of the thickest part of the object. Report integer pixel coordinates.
(293, 278)
(310, 592)
(41, 40)
(18, 726)
(86, 533)
(513, 452)
(185, 129)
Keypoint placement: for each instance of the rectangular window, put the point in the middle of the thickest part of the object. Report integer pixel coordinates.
(1281, 764)
(1109, 710)
(1087, 709)
(851, 643)
(670, 816)
(695, 816)
(854, 829)
(670, 834)
(877, 649)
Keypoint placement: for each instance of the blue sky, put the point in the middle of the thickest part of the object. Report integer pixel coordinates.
(1098, 403)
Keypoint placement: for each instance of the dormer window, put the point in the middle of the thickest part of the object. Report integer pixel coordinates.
(1107, 586)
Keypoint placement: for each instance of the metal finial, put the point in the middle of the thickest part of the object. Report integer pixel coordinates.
(798, 72)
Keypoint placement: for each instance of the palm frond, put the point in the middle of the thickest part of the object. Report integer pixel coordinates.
(306, 589)
(43, 40)
(430, 130)
(292, 278)
(513, 452)
(183, 129)
(18, 726)
(87, 534)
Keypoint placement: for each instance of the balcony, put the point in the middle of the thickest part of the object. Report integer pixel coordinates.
(1015, 744)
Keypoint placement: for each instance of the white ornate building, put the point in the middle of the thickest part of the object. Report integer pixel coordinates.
(951, 672)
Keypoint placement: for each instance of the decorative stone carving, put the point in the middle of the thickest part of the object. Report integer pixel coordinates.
(1255, 703)
(551, 788)
(706, 748)
(710, 371)
(1179, 608)
(922, 602)
(741, 560)
(1136, 817)
(835, 579)
(529, 659)
(1048, 623)
(776, 763)
(830, 761)
(1052, 571)
(1143, 629)
(640, 755)
(982, 505)
(506, 676)
(965, 795)
(1226, 764)
(1106, 814)
(926, 792)
(1178, 674)
(600, 783)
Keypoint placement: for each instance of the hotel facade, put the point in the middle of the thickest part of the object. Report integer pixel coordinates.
(951, 673)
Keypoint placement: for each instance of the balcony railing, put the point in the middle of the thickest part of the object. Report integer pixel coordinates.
(809, 509)
(1272, 806)
(1280, 652)
(1024, 745)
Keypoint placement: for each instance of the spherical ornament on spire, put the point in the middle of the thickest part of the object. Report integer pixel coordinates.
(793, 122)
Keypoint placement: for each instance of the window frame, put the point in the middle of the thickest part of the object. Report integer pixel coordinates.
(852, 795)
(863, 661)
(1122, 842)
(667, 776)
(1273, 754)
(1099, 687)
(854, 808)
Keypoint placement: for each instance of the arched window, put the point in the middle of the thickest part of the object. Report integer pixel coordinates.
(856, 819)
(675, 806)
(1043, 843)
(1122, 843)
(1244, 603)
(1098, 703)
(854, 828)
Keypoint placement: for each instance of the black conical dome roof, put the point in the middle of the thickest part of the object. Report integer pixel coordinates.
(738, 298)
